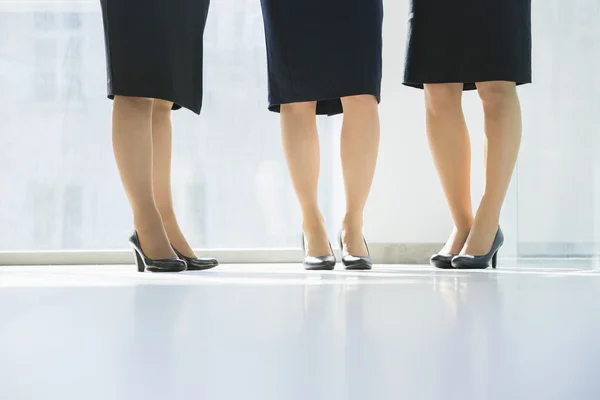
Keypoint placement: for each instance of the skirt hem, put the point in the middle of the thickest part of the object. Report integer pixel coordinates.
(467, 85)
(176, 104)
(327, 105)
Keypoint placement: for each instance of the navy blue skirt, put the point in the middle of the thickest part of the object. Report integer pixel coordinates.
(154, 49)
(322, 50)
(468, 41)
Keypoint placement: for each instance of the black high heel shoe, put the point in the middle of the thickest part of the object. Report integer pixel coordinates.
(144, 263)
(442, 261)
(355, 262)
(323, 263)
(197, 264)
(481, 262)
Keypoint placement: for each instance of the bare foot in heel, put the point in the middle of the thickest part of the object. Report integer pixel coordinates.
(455, 242)
(177, 238)
(153, 239)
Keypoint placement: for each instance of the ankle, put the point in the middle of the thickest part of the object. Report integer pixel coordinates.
(488, 215)
(352, 223)
(463, 228)
(312, 219)
(308, 230)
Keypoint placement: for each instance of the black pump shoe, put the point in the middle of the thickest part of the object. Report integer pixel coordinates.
(197, 264)
(323, 263)
(442, 261)
(355, 262)
(144, 263)
(481, 262)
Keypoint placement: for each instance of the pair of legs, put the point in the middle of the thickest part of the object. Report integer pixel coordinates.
(359, 149)
(450, 146)
(142, 146)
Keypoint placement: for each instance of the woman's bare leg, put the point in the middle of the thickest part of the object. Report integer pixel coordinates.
(301, 145)
(359, 149)
(503, 139)
(132, 144)
(162, 142)
(451, 150)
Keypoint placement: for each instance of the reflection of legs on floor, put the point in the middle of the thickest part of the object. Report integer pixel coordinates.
(359, 149)
(360, 350)
(157, 311)
(300, 141)
(503, 138)
(132, 144)
(451, 150)
(320, 344)
(162, 142)
(469, 351)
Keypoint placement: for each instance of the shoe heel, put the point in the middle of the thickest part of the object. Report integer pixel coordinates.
(495, 260)
(139, 262)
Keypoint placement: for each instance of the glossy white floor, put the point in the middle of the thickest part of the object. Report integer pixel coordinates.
(527, 331)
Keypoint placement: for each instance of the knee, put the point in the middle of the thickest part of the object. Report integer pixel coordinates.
(442, 98)
(364, 103)
(133, 104)
(496, 96)
(162, 108)
(299, 109)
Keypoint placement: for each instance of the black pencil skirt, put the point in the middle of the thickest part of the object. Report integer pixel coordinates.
(154, 49)
(322, 50)
(468, 41)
